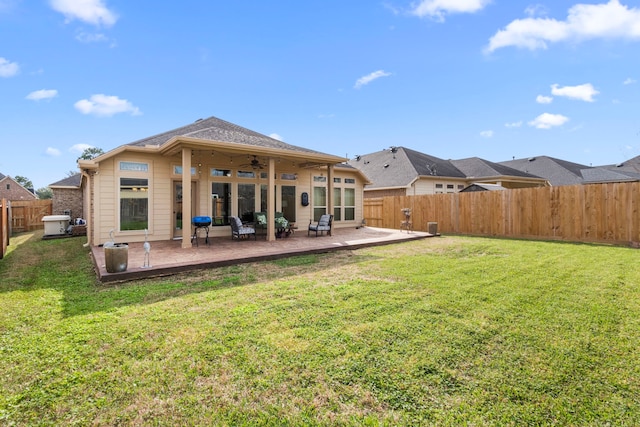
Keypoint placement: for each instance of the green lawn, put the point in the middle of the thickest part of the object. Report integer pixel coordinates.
(442, 331)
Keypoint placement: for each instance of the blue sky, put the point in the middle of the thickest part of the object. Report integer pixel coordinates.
(496, 79)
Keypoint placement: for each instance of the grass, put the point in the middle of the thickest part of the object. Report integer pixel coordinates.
(446, 331)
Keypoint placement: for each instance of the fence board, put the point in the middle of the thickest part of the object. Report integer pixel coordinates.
(4, 227)
(608, 213)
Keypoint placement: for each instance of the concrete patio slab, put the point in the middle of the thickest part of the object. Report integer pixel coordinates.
(167, 257)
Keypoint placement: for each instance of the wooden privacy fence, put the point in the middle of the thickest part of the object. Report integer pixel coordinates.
(608, 213)
(27, 215)
(5, 231)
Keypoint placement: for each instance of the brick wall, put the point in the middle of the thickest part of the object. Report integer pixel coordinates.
(15, 191)
(68, 199)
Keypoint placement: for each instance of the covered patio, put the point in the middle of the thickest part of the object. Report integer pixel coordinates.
(169, 257)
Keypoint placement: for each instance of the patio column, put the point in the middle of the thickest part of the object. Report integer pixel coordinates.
(271, 200)
(186, 198)
(330, 200)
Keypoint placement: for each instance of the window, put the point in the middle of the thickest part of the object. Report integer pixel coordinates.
(460, 186)
(319, 202)
(438, 185)
(288, 176)
(246, 200)
(134, 204)
(349, 180)
(177, 170)
(8, 186)
(220, 203)
(246, 174)
(220, 172)
(349, 204)
(337, 180)
(134, 167)
(288, 194)
(319, 179)
(337, 204)
(449, 186)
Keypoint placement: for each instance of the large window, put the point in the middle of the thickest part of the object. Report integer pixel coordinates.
(246, 201)
(288, 193)
(337, 204)
(134, 204)
(319, 202)
(220, 202)
(349, 204)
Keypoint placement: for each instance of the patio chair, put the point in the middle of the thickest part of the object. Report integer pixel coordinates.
(240, 231)
(323, 225)
(260, 222)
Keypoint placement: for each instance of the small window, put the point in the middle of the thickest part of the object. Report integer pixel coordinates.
(288, 176)
(134, 167)
(220, 172)
(319, 179)
(337, 180)
(349, 180)
(8, 186)
(177, 170)
(460, 186)
(449, 186)
(438, 185)
(246, 174)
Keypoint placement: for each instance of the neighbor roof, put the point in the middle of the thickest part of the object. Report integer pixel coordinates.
(556, 171)
(70, 181)
(399, 167)
(475, 167)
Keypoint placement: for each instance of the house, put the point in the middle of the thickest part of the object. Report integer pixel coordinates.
(213, 168)
(11, 190)
(67, 197)
(403, 171)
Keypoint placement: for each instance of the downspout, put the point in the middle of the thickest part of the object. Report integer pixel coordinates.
(87, 190)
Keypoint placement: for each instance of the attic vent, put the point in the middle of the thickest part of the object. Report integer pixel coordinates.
(200, 119)
(358, 158)
(386, 165)
(619, 165)
(531, 159)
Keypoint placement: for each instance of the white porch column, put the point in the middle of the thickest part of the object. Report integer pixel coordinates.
(186, 198)
(271, 200)
(330, 172)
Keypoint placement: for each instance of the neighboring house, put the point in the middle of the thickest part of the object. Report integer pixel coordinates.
(67, 197)
(231, 171)
(11, 190)
(402, 171)
(562, 172)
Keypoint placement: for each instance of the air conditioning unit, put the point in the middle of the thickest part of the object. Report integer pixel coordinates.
(56, 225)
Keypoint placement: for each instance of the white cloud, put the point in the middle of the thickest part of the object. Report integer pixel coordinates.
(91, 37)
(486, 133)
(53, 152)
(437, 9)
(365, 80)
(584, 92)
(610, 20)
(629, 81)
(547, 121)
(536, 10)
(42, 94)
(8, 69)
(541, 99)
(275, 136)
(79, 148)
(90, 11)
(105, 106)
(513, 124)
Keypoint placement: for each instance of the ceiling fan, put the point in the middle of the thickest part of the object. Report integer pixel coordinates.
(254, 164)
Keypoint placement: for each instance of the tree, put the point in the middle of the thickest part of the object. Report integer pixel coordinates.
(24, 181)
(44, 193)
(90, 153)
(72, 173)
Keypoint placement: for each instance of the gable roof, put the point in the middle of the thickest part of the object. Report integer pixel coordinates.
(2, 176)
(475, 167)
(556, 171)
(400, 166)
(71, 181)
(595, 175)
(481, 186)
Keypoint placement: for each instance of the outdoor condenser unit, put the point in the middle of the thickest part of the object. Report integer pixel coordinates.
(55, 225)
